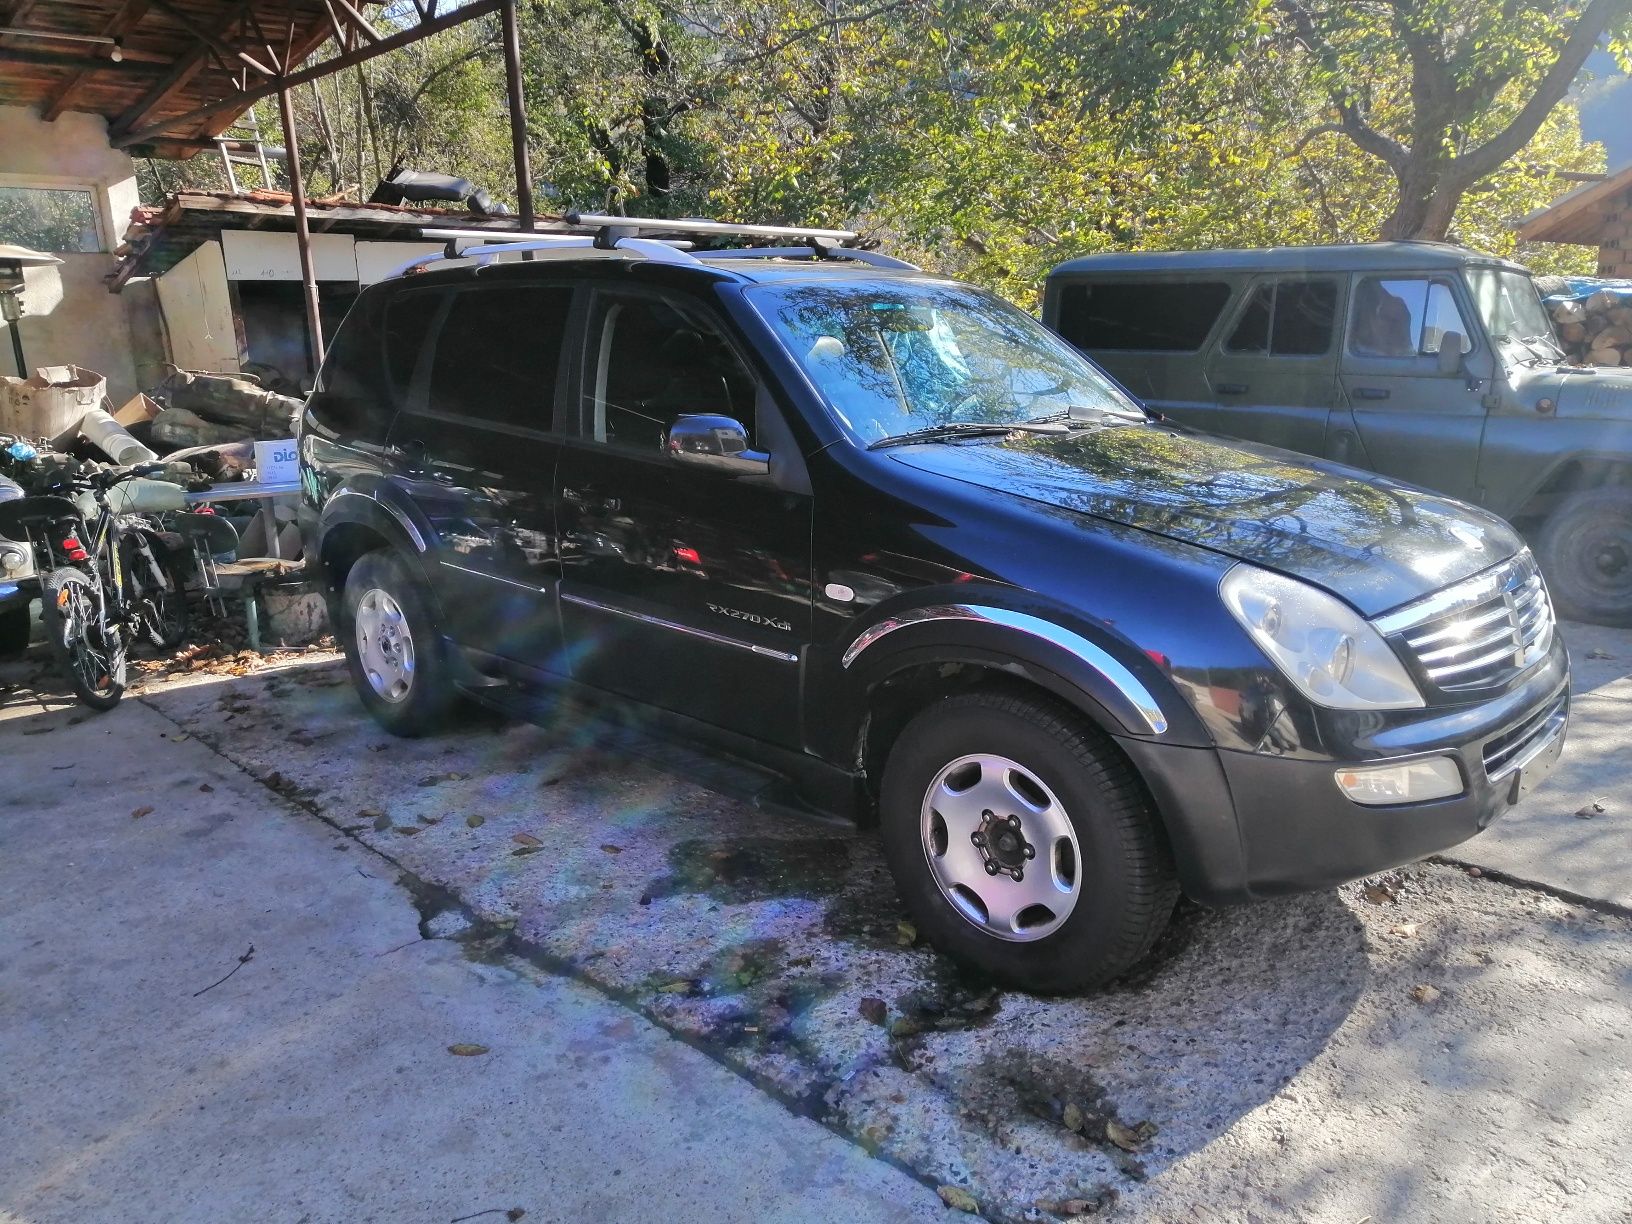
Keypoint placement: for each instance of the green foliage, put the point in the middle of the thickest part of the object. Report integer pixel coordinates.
(985, 140)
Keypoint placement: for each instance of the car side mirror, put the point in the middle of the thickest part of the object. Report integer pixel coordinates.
(709, 440)
(1450, 353)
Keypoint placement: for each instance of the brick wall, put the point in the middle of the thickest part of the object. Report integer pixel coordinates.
(1615, 238)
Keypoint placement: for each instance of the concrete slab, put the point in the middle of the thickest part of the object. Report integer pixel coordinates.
(1401, 1049)
(1557, 836)
(315, 1082)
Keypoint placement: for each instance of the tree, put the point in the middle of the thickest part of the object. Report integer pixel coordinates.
(1444, 93)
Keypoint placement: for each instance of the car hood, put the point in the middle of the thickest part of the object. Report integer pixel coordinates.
(1374, 542)
(1599, 393)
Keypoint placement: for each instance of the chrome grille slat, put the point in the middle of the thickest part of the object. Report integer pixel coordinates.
(1480, 633)
(1501, 752)
(1502, 633)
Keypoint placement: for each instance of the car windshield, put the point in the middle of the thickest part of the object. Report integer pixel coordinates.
(899, 358)
(1510, 306)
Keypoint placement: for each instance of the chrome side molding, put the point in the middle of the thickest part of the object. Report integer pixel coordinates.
(719, 639)
(1094, 656)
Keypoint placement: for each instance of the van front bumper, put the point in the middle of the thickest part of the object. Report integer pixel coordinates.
(1248, 825)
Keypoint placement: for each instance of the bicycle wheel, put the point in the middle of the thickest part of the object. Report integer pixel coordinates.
(91, 652)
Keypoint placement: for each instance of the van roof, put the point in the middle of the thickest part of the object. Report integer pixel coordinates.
(1340, 257)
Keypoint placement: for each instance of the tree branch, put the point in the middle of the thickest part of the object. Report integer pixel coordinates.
(1589, 28)
(1351, 122)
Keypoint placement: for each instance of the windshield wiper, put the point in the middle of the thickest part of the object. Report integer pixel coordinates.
(1084, 414)
(964, 429)
(1537, 356)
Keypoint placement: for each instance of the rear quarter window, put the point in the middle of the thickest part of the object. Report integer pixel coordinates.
(354, 397)
(1146, 316)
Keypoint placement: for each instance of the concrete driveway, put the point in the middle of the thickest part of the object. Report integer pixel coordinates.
(1428, 1045)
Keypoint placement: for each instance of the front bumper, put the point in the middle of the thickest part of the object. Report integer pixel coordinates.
(1250, 825)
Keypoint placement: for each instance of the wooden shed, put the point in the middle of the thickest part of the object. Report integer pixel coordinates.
(1598, 214)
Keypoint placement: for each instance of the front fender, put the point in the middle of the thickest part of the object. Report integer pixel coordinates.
(1087, 664)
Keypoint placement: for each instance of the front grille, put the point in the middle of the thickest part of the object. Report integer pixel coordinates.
(1507, 749)
(1478, 634)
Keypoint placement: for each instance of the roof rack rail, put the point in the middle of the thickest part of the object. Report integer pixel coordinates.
(815, 250)
(660, 225)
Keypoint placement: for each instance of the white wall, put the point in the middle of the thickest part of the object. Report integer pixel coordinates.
(267, 255)
(197, 309)
(71, 318)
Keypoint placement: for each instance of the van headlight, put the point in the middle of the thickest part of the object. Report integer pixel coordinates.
(1322, 645)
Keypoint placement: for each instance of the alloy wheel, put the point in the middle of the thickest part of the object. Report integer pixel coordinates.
(1001, 847)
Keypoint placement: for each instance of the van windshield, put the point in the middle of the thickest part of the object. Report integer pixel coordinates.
(1511, 308)
(894, 359)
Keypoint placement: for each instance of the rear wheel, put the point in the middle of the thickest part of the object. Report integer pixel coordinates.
(1022, 842)
(393, 649)
(91, 652)
(1585, 548)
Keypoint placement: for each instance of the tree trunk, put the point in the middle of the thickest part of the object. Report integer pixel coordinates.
(1424, 206)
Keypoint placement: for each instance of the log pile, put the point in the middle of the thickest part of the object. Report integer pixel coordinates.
(214, 410)
(1596, 329)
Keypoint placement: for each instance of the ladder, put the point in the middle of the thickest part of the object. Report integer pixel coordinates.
(241, 145)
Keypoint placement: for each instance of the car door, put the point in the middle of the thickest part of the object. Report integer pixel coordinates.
(1403, 415)
(1273, 373)
(684, 583)
(479, 451)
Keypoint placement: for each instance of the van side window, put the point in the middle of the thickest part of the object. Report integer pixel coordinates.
(498, 354)
(1404, 317)
(1287, 318)
(1149, 316)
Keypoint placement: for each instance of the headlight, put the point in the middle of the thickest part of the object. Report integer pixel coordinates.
(14, 559)
(1321, 644)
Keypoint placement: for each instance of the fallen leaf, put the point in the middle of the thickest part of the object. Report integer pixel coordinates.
(1405, 930)
(875, 1011)
(1378, 894)
(906, 934)
(1599, 654)
(1424, 993)
(521, 850)
(1072, 1117)
(466, 1049)
(1595, 808)
(958, 1199)
(206, 788)
(430, 820)
(1130, 1139)
(144, 810)
(526, 839)
(680, 987)
(382, 822)
(1066, 1207)
(611, 849)
(407, 830)
(474, 821)
(514, 1214)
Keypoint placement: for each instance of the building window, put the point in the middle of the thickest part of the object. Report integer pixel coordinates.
(60, 219)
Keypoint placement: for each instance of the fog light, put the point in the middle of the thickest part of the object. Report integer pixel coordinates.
(1410, 782)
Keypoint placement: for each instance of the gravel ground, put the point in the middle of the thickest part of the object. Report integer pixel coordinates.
(1425, 1046)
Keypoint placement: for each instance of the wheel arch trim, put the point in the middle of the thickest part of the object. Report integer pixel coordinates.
(1133, 690)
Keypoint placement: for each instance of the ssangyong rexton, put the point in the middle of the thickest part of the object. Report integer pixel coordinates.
(889, 535)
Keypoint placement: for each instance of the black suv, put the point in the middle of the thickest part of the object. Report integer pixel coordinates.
(890, 536)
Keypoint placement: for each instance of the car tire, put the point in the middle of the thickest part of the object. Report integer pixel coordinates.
(1101, 887)
(1585, 550)
(396, 656)
(15, 625)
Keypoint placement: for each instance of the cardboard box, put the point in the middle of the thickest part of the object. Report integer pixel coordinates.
(50, 403)
(276, 461)
(137, 409)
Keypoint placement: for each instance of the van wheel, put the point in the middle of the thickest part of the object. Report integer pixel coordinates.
(1023, 844)
(1586, 554)
(395, 655)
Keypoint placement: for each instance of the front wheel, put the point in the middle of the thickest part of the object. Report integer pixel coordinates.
(1585, 549)
(1022, 842)
(159, 590)
(91, 651)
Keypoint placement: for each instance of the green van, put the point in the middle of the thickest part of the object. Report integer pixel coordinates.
(1423, 361)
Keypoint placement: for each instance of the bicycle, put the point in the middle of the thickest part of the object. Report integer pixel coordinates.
(107, 576)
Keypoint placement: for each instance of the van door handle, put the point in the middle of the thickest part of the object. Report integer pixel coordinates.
(1232, 388)
(1373, 393)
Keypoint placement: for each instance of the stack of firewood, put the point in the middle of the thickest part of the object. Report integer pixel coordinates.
(1597, 329)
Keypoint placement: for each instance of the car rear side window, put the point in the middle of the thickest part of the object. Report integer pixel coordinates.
(1287, 318)
(498, 354)
(1149, 316)
(353, 396)
(408, 322)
